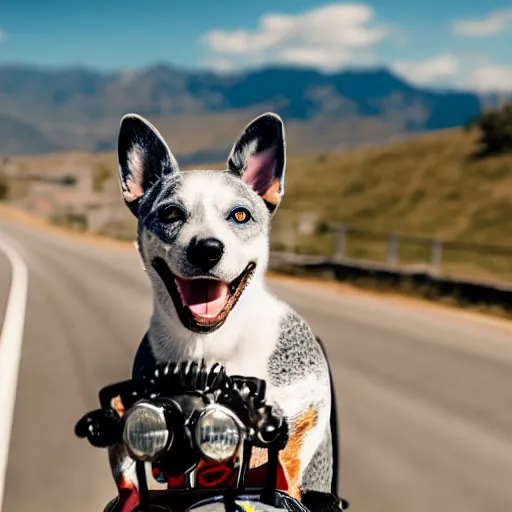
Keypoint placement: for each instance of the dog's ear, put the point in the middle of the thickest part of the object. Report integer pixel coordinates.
(143, 158)
(259, 158)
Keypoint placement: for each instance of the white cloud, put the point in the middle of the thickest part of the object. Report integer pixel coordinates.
(494, 23)
(428, 71)
(466, 71)
(327, 37)
(492, 77)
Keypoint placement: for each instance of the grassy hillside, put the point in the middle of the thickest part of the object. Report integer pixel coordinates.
(429, 186)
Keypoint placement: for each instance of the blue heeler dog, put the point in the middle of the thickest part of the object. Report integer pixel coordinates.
(203, 237)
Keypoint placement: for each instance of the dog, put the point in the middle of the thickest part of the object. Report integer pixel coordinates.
(203, 239)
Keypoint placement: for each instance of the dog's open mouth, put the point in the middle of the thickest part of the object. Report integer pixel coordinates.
(203, 304)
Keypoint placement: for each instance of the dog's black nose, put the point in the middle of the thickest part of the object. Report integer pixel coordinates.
(205, 253)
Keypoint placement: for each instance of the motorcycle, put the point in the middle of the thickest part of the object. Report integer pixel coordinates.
(198, 428)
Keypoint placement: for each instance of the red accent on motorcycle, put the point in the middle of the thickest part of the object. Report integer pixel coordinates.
(176, 482)
(214, 474)
(128, 497)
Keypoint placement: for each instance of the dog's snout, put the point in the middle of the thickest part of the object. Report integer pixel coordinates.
(205, 253)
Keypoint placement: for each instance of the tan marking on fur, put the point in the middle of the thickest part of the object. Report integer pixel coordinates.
(258, 458)
(272, 194)
(118, 406)
(290, 456)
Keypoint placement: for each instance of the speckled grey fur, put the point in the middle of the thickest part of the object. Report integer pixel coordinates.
(297, 353)
(318, 475)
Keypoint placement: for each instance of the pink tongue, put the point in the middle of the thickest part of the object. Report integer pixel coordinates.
(204, 297)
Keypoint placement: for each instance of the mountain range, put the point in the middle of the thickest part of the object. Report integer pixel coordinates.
(201, 113)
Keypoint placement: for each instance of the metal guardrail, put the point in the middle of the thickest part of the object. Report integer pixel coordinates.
(394, 240)
(421, 279)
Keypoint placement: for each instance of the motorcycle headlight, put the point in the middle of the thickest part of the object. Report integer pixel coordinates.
(218, 433)
(146, 433)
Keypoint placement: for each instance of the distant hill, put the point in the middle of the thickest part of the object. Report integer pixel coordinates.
(43, 110)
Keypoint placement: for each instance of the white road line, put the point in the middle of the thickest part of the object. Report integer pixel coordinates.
(11, 339)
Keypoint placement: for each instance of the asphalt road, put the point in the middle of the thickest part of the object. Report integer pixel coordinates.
(425, 395)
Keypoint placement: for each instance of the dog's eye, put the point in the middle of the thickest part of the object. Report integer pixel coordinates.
(172, 214)
(240, 215)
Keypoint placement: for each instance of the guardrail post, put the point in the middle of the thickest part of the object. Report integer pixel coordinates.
(436, 255)
(340, 241)
(393, 249)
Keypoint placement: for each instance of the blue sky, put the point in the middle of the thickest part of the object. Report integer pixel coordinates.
(460, 43)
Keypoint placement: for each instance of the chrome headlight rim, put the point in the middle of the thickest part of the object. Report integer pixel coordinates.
(160, 411)
(218, 408)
